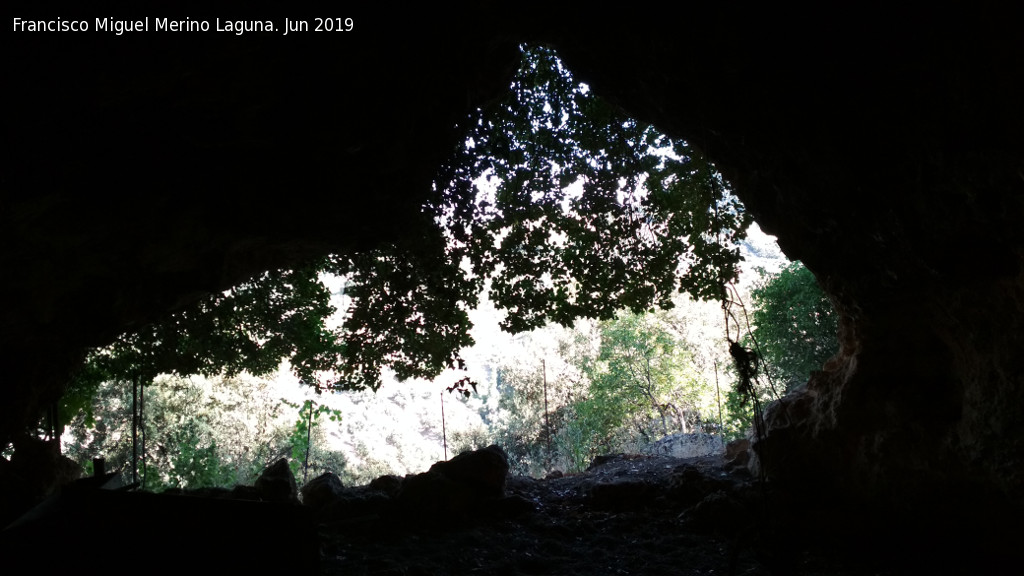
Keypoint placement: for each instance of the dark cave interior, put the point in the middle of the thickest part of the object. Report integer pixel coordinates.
(884, 149)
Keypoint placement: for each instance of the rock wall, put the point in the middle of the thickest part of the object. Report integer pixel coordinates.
(885, 149)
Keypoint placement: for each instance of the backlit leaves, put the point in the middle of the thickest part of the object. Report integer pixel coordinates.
(591, 211)
(587, 212)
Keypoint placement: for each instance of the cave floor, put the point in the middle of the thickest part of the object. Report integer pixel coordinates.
(625, 515)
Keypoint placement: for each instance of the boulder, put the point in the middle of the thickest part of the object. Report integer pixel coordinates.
(435, 496)
(453, 491)
(388, 484)
(322, 491)
(720, 511)
(35, 471)
(277, 484)
(689, 485)
(622, 493)
(481, 473)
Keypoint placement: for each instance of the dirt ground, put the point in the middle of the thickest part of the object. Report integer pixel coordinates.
(625, 515)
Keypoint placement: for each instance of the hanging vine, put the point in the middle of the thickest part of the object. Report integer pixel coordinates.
(749, 363)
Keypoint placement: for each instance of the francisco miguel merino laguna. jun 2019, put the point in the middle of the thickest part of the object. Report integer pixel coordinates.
(147, 24)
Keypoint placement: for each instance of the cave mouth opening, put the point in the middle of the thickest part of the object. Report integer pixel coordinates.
(609, 194)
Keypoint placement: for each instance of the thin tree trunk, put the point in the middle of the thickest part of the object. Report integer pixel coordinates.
(135, 430)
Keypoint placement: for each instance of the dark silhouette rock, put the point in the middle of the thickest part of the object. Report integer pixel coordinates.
(482, 472)
(434, 498)
(322, 490)
(353, 504)
(277, 483)
(195, 534)
(620, 493)
(689, 485)
(453, 491)
(720, 511)
(388, 484)
(514, 506)
(245, 493)
(36, 470)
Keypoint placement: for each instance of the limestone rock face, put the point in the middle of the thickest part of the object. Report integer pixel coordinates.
(687, 445)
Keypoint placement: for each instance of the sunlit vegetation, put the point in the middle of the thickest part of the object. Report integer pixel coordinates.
(198, 433)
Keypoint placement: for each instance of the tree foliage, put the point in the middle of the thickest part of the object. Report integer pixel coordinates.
(301, 437)
(642, 374)
(648, 217)
(795, 326)
(588, 211)
(535, 387)
(641, 386)
(200, 433)
(628, 381)
(522, 429)
(280, 315)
